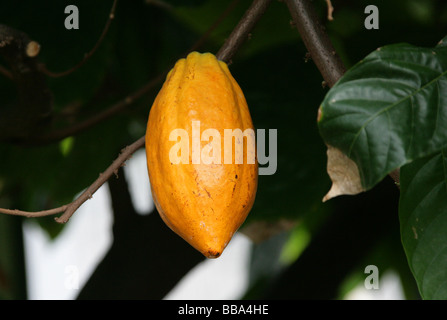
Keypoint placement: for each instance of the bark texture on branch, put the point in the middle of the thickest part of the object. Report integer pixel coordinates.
(242, 30)
(320, 47)
(316, 40)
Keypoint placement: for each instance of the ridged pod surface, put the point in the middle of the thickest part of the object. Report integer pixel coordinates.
(203, 201)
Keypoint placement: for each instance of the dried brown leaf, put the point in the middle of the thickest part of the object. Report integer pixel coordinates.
(344, 174)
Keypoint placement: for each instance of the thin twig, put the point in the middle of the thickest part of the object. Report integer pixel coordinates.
(88, 55)
(161, 4)
(125, 155)
(330, 10)
(216, 23)
(35, 214)
(57, 135)
(70, 208)
(34, 104)
(60, 134)
(6, 72)
(127, 152)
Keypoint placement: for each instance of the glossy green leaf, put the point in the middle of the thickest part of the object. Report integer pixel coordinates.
(389, 109)
(423, 218)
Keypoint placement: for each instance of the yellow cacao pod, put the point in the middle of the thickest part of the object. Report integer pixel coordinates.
(199, 130)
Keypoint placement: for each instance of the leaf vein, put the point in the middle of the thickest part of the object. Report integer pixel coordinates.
(374, 116)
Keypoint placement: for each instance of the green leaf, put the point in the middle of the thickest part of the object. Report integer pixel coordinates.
(389, 109)
(423, 218)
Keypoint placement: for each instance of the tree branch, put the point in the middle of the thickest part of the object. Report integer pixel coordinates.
(316, 40)
(320, 47)
(234, 41)
(32, 110)
(241, 32)
(60, 134)
(125, 155)
(330, 10)
(34, 214)
(6, 72)
(8, 36)
(57, 135)
(221, 17)
(70, 208)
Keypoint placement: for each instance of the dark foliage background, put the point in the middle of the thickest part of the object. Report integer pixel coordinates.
(283, 89)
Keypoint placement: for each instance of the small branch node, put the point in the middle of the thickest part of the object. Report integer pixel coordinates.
(32, 49)
(330, 10)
